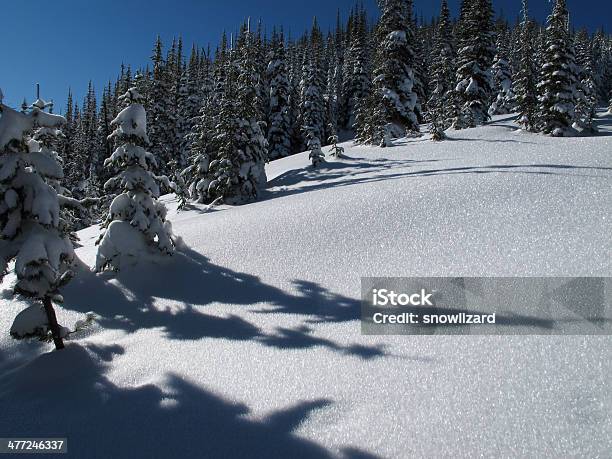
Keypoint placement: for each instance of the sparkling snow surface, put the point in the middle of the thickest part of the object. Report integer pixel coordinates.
(247, 343)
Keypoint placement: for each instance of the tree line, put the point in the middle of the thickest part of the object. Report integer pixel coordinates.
(268, 97)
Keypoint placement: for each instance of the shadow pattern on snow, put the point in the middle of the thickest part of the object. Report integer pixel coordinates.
(301, 338)
(67, 394)
(128, 302)
(340, 174)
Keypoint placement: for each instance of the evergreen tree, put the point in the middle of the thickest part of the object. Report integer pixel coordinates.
(260, 66)
(365, 123)
(220, 69)
(525, 85)
(143, 83)
(442, 72)
(101, 150)
(587, 100)
(194, 176)
(436, 128)
(474, 59)
(190, 104)
(336, 150)
(358, 73)
(136, 219)
(312, 104)
(331, 95)
(163, 123)
(346, 72)
(602, 65)
(558, 78)
(504, 102)
(32, 231)
(314, 145)
(80, 153)
(72, 169)
(103, 144)
(395, 100)
(298, 64)
(279, 129)
(236, 171)
(84, 147)
(421, 78)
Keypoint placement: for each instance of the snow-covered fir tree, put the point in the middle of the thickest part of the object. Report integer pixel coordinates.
(442, 72)
(179, 124)
(312, 103)
(602, 65)
(162, 132)
(71, 167)
(88, 129)
(394, 97)
(195, 175)
(557, 87)
(504, 102)
(214, 139)
(588, 97)
(475, 52)
(339, 58)
(525, 79)
(335, 150)
(279, 128)
(189, 105)
(316, 153)
(45, 141)
(252, 151)
(364, 120)
(358, 72)
(260, 66)
(421, 79)
(345, 72)
(32, 232)
(235, 161)
(331, 95)
(136, 220)
(436, 126)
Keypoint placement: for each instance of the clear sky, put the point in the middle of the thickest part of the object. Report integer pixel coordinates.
(65, 43)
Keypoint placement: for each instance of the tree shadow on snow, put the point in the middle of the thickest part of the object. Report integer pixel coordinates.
(67, 394)
(330, 171)
(187, 282)
(301, 338)
(463, 139)
(18, 352)
(302, 180)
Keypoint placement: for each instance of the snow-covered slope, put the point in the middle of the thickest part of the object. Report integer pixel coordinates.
(248, 344)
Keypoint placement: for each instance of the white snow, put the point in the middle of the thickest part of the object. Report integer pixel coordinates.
(13, 126)
(30, 321)
(246, 342)
(131, 121)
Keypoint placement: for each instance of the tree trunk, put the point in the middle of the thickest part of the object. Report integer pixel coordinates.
(53, 325)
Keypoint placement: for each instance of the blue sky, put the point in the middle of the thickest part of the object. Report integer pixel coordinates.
(68, 42)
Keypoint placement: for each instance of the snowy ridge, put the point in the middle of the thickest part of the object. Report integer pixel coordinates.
(253, 348)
